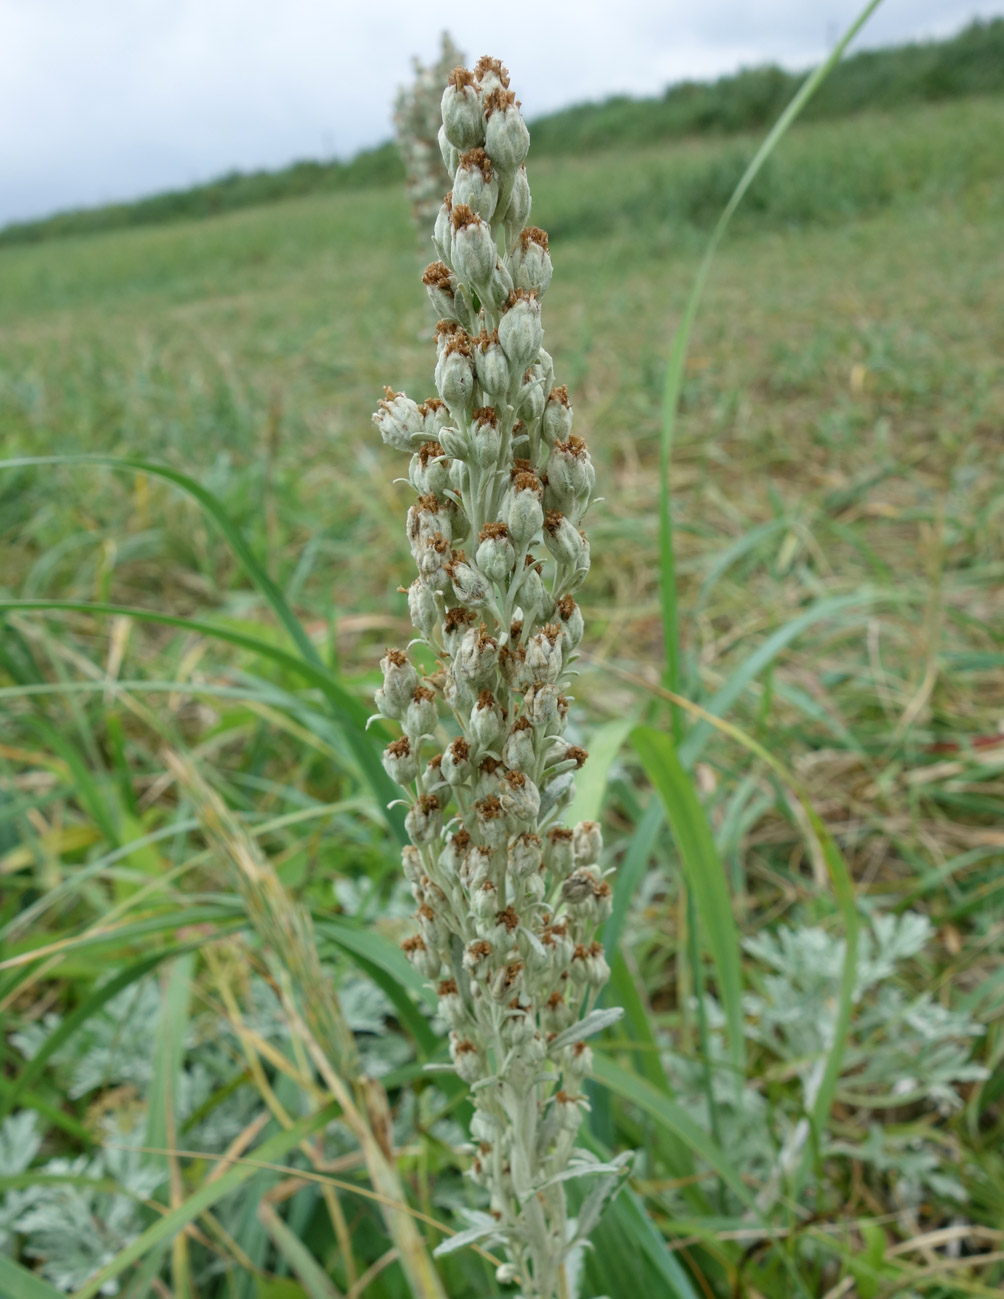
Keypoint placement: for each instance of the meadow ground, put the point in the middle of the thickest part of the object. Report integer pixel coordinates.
(838, 497)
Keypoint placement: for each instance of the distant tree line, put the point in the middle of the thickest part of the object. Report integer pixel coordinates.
(971, 63)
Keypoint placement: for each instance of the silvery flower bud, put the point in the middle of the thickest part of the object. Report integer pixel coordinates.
(426, 520)
(474, 252)
(518, 750)
(422, 608)
(535, 890)
(530, 262)
(468, 585)
(421, 715)
(533, 1052)
(491, 364)
(530, 398)
(456, 764)
(398, 419)
(506, 137)
(455, 377)
(436, 415)
(507, 982)
(540, 705)
(555, 1014)
(520, 331)
(487, 439)
(518, 209)
(565, 542)
(429, 473)
(559, 946)
(531, 592)
(456, 443)
(441, 286)
(442, 236)
(432, 559)
(523, 509)
(499, 287)
(455, 626)
(589, 966)
(453, 856)
(434, 933)
(485, 726)
(432, 778)
(570, 478)
(520, 797)
(544, 657)
(400, 681)
(556, 423)
(425, 961)
(577, 1061)
(490, 74)
(569, 615)
(424, 821)
(477, 866)
(467, 1059)
(517, 1027)
(477, 656)
(449, 152)
(475, 184)
(463, 117)
(587, 843)
(485, 902)
(491, 821)
(559, 851)
(451, 1004)
(568, 1111)
(477, 957)
(495, 555)
(411, 863)
(400, 762)
(523, 855)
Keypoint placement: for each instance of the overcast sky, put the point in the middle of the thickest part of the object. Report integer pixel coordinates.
(111, 99)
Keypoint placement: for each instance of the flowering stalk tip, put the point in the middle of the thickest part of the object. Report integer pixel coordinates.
(509, 898)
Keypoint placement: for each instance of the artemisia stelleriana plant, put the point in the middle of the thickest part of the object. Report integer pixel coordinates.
(509, 897)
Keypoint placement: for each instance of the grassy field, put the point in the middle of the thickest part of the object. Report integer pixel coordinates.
(838, 496)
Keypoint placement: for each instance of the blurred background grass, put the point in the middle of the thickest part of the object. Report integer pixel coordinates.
(837, 494)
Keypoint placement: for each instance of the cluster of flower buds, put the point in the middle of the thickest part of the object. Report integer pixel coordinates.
(509, 899)
(416, 122)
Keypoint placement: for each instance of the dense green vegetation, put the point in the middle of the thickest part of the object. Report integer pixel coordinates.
(966, 65)
(837, 490)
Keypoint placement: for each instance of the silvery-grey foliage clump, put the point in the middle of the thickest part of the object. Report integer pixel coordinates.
(509, 898)
(416, 125)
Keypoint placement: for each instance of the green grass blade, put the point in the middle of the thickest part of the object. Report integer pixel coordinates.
(304, 1266)
(672, 1118)
(164, 1229)
(705, 876)
(348, 711)
(605, 743)
(673, 387)
(16, 1282)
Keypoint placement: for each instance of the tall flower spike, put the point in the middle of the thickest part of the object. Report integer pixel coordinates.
(509, 898)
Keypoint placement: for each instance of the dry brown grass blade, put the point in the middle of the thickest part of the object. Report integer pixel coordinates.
(314, 1012)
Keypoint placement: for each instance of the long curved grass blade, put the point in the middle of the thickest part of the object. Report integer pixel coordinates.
(673, 386)
(705, 876)
(16, 1282)
(672, 1118)
(310, 1274)
(346, 708)
(206, 1196)
(843, 891)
